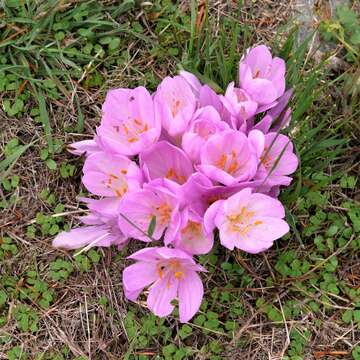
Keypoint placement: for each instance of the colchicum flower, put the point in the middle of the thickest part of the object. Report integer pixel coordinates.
(170, 274)
(128, 125)
(101, 227)
(230, 157)
(175, 104)
(176, 165)
(247, 221)
(262, 76)
(110, 175)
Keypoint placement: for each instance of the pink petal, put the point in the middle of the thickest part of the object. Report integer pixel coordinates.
(161, 294)
(80, 237)
(192, 80)
(191, 292)
(262, 91)
(259, 59)
(84, 146)
(139, 275)
(269, 230)
(264, 205)
(257, 140)
(211, 214)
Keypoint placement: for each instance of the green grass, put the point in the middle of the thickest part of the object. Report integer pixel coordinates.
(298, 300)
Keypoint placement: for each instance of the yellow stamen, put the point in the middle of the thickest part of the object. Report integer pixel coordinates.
(164, 212)
(175, 108)
(132, 139)
(178, 275)
(241, 222)
(222, 162)
(171, 174)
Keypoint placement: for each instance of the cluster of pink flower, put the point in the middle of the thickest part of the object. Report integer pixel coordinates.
(181, 162)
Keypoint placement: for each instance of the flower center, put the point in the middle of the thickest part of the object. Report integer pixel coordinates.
(242, 221)
(228, 163)
(175, 107)
(176, 268)
(117, 183)
(132, 128)
(164, 213)
(172, 175)
(265, 158)
(170, 267)
(192, 229)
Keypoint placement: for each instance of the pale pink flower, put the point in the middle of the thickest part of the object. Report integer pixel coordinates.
(240, 106)
(230, 157)
(175, 104)
(138, 208)
(101, 228)
(277, 161)
(128, 124)
(247, 221)
(262, 76)
(206, 122)
(169, 274)
(110, 175)
(192, 236)
(164, 160)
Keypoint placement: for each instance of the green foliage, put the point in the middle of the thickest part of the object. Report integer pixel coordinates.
(27, 318)
(60, 269)
(345, 28)
(7, 248)
(17, 353)
(85, 261)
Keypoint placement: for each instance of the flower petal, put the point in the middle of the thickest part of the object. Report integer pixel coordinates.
(161, 294)
(191, 292)
(139, 275)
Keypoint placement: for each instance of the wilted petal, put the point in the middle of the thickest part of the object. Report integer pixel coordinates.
(85, 146)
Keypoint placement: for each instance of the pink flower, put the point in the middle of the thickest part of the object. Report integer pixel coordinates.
(171, 274)
(164, 160)
(277, 161)
(175, 104)
(240, 106)
(192, 236)
(230, 157)
(128, 125)
(262, 76)
(137, 209)
(101, 229)
(248, 221)
(206, 122)
(110, 175)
